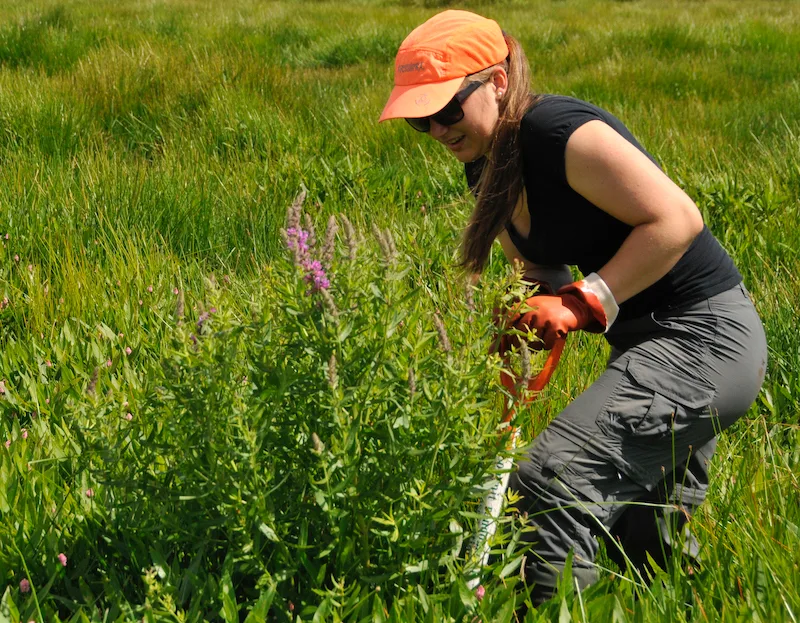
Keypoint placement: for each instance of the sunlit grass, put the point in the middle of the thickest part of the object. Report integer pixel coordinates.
(152, 148)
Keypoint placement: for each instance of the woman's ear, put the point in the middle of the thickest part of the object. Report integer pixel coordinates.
(500, 82)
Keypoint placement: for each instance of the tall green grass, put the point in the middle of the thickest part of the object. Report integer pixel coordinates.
(149, 148)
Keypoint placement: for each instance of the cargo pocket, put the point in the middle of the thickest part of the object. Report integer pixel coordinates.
(653, 420)
(653, 402)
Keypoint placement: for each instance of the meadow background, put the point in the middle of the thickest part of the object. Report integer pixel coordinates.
(190, 432)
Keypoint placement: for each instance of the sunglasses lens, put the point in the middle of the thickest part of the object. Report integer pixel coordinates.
(421, 124)
(450, 114)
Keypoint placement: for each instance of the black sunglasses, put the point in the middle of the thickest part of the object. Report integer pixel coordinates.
(452, 112)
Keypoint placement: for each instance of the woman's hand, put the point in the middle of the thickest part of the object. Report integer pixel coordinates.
(584, 305)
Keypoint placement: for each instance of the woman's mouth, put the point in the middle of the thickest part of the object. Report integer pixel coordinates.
(455, 143)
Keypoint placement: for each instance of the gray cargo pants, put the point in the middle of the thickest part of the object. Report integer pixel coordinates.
(629, 457)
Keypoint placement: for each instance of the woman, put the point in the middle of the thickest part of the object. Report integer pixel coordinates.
(561, 182)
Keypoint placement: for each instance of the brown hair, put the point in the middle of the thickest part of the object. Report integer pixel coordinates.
(501, 182)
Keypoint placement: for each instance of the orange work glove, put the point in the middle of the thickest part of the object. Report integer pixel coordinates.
(587, 304)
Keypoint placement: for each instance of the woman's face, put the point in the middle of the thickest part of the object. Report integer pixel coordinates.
(471, 138)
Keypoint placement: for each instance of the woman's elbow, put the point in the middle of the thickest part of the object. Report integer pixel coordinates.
(693, 221)
(680, 226)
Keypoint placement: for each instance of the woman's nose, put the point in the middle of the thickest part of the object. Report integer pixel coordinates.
(437, 129)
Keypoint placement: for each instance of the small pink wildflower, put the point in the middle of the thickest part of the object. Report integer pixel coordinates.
(90, 493)
(3, 386)
(175, 291)
(47, 401)
(128, 350)
(120, 335)
(125, 404)
(24, 586)
(480, 592)
(8, 443)
(48, 363)
(149, 288)
(108, 363)
(30, 268)
(24, 432)
(7, 236)
(16, 258)
(141, 302)
(62, 558)
(129, 416)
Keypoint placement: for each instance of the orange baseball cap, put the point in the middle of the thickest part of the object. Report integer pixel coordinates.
(434, 59)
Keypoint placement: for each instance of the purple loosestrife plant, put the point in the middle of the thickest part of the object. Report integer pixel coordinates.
(302, 243)
(297, 240)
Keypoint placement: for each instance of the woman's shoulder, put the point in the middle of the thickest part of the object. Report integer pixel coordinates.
(546, 128)
(552, 114)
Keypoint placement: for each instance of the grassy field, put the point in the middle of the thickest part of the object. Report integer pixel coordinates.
(193, 432)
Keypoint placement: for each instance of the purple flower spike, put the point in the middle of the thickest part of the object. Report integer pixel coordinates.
(297, 240)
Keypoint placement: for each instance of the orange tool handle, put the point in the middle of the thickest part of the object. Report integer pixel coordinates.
(537, 383)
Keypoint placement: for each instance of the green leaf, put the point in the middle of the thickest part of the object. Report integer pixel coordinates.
(423, 598)
(378, 614)
(8, 609)
(618, 613)
(268, 532)
(468, 598)
(259, 612)
(510, 567)
(506, 611)
(563, 613)
(107, 332)
(229, 611)
(159, 563)
(345, 330)
(322, 611)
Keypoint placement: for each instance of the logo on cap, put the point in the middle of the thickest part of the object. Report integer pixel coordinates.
(402, 69)
(422, 100)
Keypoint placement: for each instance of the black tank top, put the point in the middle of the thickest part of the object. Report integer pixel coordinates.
(568, 229)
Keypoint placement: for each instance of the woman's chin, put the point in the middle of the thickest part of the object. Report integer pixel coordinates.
(466, 155)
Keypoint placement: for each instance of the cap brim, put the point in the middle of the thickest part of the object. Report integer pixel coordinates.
(419, 100)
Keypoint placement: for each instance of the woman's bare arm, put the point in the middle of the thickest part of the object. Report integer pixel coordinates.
(619, 179)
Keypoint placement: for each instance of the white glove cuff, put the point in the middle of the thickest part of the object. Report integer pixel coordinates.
(595, 284)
